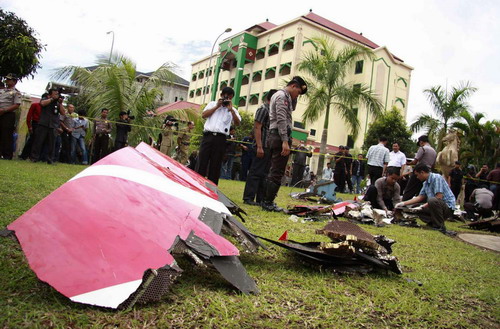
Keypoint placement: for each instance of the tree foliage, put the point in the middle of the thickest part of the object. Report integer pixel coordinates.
(327, 68)
(20, 49)
(479, 142)
(392, 125)
(113, 85)
(447, 107)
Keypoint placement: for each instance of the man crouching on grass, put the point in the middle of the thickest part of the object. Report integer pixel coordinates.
(440, 200)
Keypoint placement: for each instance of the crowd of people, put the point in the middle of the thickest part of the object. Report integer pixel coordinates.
(261, 159)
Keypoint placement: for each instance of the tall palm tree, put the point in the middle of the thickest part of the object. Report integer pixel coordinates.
(480, 142)
(328, 90)
(113, 85)
(446, 106)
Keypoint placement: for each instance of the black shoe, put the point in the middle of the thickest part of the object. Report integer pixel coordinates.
(251, 203)
(271, 207)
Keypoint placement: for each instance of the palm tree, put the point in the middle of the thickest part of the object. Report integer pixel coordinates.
(480, 142)
(328, 89)
(447, 107)
(113, 85)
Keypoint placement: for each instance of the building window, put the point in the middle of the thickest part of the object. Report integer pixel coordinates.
(261, 53)
(245, 80)
(350, 141)
(298, 124)
(175, 99)
(201, 75)
(223, 84)
(243, 101)
(193, 78)
(206, 90)
(359, 67)
(198, 92)
(312, 132)
(273, 49)
(209, 71)
(357, 87)
(285, 69)
(257, 76)
(254, 99)
(270, 73)
(191, 94)
(355, 110)
(288, 44)
(231, 83)
(234, 63)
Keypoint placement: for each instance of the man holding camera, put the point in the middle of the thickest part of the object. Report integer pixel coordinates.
(282, 104)
(48, 124)
(122, 129)
(167, 135)
(102, 128)
(219, 114)
(183, 142)
(10, 99)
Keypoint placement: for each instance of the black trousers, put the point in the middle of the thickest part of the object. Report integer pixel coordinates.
(43, 135)
(29, 142)
(210, 156)
(297, 173)
(471, 210)
(254, 187)
(65, 155)
(375, 173)
(435, 213)
(119, 145)
(7, 127)
(455, 189)
(101, 142)
(339, 177)
(278, 162)
(413, 187)
(372, 194)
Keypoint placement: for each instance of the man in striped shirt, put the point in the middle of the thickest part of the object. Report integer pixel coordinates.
(378, 158)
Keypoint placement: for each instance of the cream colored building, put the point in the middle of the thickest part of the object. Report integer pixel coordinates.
(265, 56)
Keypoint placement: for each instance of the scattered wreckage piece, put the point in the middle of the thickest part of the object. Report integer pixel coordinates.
(352, 249)
(489, 224)
(331, 210)
(322, 192)
(132, 216)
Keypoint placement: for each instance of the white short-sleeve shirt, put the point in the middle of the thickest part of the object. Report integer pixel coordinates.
(220, 120)
(397, 159)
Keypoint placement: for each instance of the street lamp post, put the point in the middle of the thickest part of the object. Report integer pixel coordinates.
(210, 63)
(112, 44)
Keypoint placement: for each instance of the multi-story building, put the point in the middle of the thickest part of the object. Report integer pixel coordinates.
(176, 90)
(265, 56)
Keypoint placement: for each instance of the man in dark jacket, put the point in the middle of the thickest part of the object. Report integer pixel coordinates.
(122, 129)
(299, 162)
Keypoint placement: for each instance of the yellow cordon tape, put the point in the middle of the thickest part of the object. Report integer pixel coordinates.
(242, 142)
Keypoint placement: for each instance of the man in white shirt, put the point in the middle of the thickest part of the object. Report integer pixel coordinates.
(219, 114)
(327, 172)
(397, 158)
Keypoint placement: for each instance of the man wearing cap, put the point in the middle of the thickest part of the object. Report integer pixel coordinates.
(167, 136)
(425, 155)
(254, 187)
(183, 142)
(122, 129)
(10, 99)
(102, 128)
(378, 158)
(282, 104)
(219, 115)
(49, 122)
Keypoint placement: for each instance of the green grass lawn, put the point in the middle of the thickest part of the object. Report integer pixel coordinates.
(460, 282)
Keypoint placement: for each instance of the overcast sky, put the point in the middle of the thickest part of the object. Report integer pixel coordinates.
(445, 41)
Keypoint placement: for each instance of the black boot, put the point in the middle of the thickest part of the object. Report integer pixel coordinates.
(270, 192)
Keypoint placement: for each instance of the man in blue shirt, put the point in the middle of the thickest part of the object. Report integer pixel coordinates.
(440, 200)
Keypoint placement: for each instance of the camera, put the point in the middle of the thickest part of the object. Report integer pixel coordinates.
(225, 102)
(170, 121)
(131, 117)
(60, 91)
